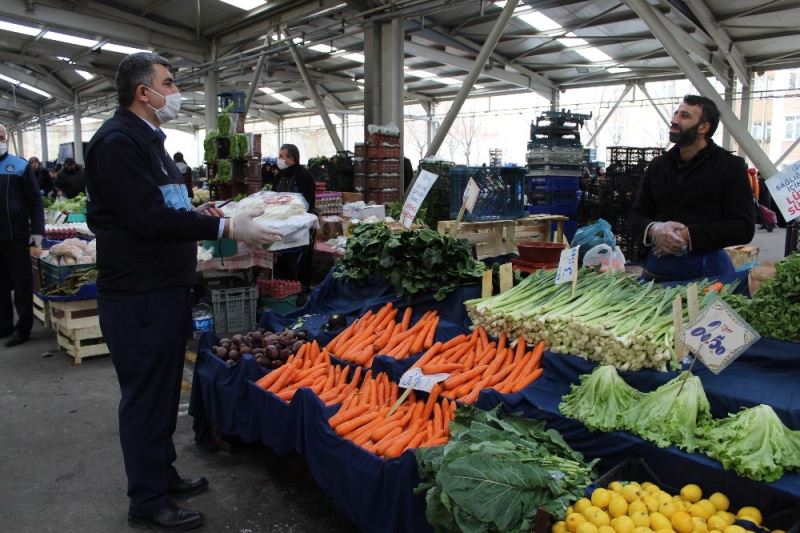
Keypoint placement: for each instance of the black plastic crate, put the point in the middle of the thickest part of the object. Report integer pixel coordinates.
(792, 239)
(502, 192)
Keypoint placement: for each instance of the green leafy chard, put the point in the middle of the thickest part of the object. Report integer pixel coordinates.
(754, 443)
(601, 401)
(496, 472)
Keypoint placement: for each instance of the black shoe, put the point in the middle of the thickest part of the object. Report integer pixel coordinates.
(6, 333)
(187, 487)
(170, 518)
(16, 339)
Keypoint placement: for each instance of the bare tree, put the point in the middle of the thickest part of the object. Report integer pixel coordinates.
(464, 131)
(416, 133)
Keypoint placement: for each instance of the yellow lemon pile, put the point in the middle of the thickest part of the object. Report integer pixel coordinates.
(645, 508)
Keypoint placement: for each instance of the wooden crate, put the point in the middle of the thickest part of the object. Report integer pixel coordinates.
(538, 228)
(41, 310)
(743, 257)
(490, 238)
(82, 343)
(74, 314)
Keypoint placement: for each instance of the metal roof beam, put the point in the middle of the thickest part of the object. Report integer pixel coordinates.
(18, 104)
(721, 38)
(54, 63)
(39, 83)
(492, 72)
(124, 32)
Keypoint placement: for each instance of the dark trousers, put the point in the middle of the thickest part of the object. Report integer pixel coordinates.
(146, 334)
(15, 274)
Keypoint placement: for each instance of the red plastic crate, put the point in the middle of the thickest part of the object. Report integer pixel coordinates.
(359, 166)
(278, 288)
(383, 166)
(382, 196)
(383, 181)
(359, 182)
(381, 138)
(383, 151)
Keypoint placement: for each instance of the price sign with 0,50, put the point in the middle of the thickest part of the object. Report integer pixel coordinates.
(719, 335)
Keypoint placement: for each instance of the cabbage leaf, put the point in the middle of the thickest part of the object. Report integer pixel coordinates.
(601, 401)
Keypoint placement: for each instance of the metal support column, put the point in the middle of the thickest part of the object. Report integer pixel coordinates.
(20, 143)
(43, 134)
(469, 81)
(787, 152)
(726, 134)
(251, 92)
(555, 99)
(345, 125)
(608, 115)
(750, 147)
(12, 136)
(78, 134)
(655, 106)
(323, 113)
(392, 76)
(211, 87)
(280, 132)
(745, 113)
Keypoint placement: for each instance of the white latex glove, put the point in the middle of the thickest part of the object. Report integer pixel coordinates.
(242, 227)
(667, 240)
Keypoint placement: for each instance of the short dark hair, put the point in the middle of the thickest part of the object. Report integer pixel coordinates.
(136, 69)
(710, 113)
(292, 151)
(178, 157)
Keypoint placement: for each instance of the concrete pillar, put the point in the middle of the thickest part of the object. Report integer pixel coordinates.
(20, 143)
(746, 110)
(78, 131)
(211, 88)
(384, 89)
(280, 133)
(555, 99)
(345, 136)
(43, 134)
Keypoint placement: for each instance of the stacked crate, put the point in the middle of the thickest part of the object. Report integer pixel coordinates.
(615, 196)
(555, 163)
(501, 194)
(378, 168)
(437, 203)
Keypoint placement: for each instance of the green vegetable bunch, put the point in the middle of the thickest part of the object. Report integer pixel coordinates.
(223, 171)
(601, 401)
(73, 205)
(774, 311)
(495, 473)
(210, 151)
(414, 262)
(224, 121)
(239, 146)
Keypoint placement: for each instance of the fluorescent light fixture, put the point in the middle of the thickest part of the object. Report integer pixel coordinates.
(618, 70)
(421, 73)
(569, 42)
(35, 90)
(245, 4)
(69, 39)
(539, 21)
(277, 96)
(121, 49)
(85, 75)
(448, 81)
(296, 105)
(324, 48)
(10, 80)
(19, 28)
(594, 54)
(358, 58)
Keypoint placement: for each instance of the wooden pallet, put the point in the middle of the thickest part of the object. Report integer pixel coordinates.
(74, 314)
(491, 238)
(41, 310)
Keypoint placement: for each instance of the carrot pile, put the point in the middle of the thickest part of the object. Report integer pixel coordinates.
(311, 368)
(364, 418)
(380, 333)
(475, 364)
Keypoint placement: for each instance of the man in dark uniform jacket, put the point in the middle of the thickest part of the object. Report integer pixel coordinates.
(693, 201)
(147, 235)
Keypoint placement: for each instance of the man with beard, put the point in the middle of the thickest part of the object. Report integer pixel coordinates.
(693, 201)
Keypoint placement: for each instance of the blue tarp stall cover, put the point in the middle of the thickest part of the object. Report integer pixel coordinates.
(377, 495)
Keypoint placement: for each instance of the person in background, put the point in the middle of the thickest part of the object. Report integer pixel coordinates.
(764, 197)
(71, 180)
(269, 173)
(21, 226)
(293, 177)
(186, 172)
(147, 235)
(408, 173)
(753, 180)
(52, 173)
(42, 176)
(693, 201)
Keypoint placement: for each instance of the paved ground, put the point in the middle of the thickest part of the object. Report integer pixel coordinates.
(61, 465)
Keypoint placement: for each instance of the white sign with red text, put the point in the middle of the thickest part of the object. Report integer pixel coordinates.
(785, 190)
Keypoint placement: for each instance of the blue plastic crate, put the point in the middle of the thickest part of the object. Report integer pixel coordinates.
(548, 209)
(553, 184)
(502, 195)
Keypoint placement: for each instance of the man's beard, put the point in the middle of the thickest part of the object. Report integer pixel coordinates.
(684, 137)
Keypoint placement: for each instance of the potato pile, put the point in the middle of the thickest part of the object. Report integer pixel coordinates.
(270, 349)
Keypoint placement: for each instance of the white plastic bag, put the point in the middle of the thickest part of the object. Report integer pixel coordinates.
(607, 258)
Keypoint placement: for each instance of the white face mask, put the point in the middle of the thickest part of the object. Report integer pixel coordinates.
(172, 104)
(3, 148)
(282, 164)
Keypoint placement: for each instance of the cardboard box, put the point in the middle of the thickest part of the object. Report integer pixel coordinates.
(362, 213)
(348, 197)
(330, 227)
(293, 240)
